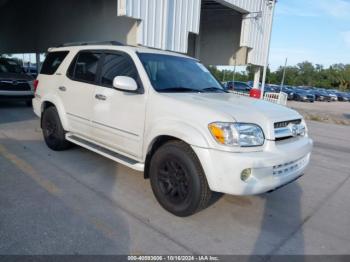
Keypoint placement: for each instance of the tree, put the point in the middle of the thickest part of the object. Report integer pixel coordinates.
(305, 73)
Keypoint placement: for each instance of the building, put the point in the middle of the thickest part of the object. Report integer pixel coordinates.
(220, 32)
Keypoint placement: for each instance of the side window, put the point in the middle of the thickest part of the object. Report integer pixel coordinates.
(84, 67)
(52, 62)
(117, 65)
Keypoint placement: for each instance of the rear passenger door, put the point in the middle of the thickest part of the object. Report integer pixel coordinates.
(78, 91)
(118, 118)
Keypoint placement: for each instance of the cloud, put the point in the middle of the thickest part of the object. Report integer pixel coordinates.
(346, 37)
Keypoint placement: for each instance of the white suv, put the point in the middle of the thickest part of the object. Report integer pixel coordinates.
(165, 114)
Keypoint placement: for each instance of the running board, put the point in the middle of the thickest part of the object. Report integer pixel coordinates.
(124, 160)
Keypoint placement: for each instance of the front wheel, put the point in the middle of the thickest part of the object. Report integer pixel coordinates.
(54, 134)
(178, 180)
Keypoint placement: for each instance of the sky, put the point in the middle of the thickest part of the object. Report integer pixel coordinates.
(314, 30)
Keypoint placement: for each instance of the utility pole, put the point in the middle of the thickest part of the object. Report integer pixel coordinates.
(284, 74)
(272, 3)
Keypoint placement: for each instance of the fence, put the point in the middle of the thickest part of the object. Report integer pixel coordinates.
(277, 98)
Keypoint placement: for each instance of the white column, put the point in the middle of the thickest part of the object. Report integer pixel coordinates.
(257, 78)
(268, 45)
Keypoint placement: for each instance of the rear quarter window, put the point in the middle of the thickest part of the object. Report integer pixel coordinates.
(52, 62)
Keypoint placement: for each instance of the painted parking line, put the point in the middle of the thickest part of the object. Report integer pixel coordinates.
(99, 221)
(27, 169)
(51, 188)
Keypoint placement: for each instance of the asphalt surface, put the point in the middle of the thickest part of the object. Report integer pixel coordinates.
(77, 202)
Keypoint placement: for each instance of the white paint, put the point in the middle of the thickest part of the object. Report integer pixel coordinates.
(128, 124)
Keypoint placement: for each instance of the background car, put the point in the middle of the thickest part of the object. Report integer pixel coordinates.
(343, 97)
(333, 96)
(303, 96)
(15, 84)
(289, 91)
(321, 95)
(237, 86)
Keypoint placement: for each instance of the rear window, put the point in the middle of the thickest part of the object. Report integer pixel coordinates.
(52, 62)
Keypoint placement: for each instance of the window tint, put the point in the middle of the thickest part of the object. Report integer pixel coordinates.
(85, 68)
(52, 62)
(117, 65)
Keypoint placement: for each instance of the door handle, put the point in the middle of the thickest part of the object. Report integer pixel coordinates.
(100, 97)
(62, 88)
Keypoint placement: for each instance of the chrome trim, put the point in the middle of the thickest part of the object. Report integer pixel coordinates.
(283, 132)
(292, 130)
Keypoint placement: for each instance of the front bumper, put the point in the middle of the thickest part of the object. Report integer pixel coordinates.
(279, 164)
(16, 95)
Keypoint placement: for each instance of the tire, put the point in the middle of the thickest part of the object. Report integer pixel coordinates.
(29, 103)
(53, 132)
(178, 180)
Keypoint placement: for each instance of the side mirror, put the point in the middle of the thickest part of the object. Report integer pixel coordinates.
(125, 83)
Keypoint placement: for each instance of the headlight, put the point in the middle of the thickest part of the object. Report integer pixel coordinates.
(302, 128)
(237, 134)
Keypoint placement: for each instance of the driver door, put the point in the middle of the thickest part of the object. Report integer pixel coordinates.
(118, 117)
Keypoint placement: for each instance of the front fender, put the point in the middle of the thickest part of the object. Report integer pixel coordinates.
(57, 102)
(186, 132)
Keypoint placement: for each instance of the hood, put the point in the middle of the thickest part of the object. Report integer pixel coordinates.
(15, 76)
(241, 109)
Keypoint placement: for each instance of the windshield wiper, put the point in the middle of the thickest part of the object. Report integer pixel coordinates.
(209, 89)
(179, 89)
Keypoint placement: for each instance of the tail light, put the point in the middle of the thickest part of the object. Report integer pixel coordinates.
(35, 83)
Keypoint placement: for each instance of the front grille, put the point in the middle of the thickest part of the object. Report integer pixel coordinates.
(12, 85)
(286, 123)
(290, 167)
(283, 138)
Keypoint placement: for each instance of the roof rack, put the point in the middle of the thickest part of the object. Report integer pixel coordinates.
(116, 43)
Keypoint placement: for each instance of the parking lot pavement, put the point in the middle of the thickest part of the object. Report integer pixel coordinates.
(77, 202)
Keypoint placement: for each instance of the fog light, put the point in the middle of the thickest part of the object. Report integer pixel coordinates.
(246, 173)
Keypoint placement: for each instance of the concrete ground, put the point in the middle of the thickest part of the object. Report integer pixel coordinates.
(77, 202)
(333, 112)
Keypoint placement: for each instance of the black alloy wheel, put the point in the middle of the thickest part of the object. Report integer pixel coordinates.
(53, 132)
(178, 180)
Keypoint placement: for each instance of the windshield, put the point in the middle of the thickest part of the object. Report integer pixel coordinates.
(10, 66)
(178, 74)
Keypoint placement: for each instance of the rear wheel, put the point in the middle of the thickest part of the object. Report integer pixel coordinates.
(178, 180)
(53, 131)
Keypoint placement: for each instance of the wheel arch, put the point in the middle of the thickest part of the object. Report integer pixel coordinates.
(156, 143)
(52, 102)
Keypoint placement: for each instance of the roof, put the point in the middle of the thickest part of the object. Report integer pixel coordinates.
(125, 48)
